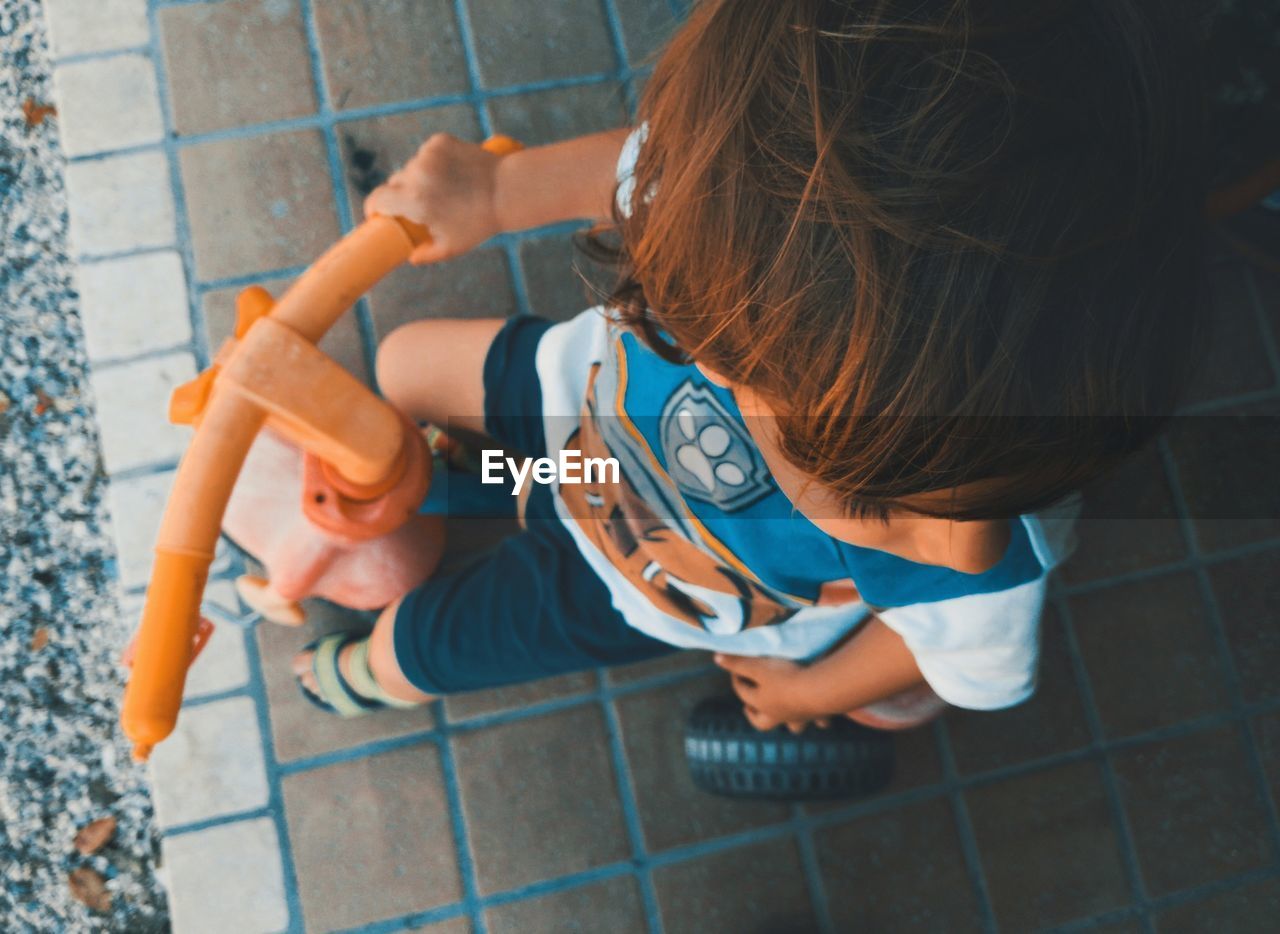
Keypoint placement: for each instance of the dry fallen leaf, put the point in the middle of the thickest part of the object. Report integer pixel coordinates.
(43, 401)
(89, 888)
(39, 639)
(94, 835)
(35, 113)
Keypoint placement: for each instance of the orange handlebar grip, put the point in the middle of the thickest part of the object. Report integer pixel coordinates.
(166, 635)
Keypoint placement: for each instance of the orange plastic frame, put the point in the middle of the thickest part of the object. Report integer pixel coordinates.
(269, 374)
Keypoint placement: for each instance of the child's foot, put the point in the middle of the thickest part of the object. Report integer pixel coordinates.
(334, 674)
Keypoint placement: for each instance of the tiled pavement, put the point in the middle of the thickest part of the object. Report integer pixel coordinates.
(216, 144)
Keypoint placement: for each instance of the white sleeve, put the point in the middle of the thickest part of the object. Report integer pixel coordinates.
(627, 167)
(979, 651)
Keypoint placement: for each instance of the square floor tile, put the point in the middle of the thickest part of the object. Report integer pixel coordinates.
(1051, 722)
(474, 285)
(540, 798)
(672, 810)
(541, 117)
(258, 204)
(1227, 464)
(899, 871)
(757, 888)
(1236, 359)
(372, 149)
(1248, 909)
(298, 728)
(685, 660)
(1194, 809)
(646, 26)
(1248, 594)
(236, 63)
(1129, 523)
(343, 343)
(107, 103)
(133, 304)
(1049, 847)
(137, 505)
(521, 43)
(459, 707)
(376, 53)
(1266, 734)
(560, 279)
(120, 203)
(372, 838)
(78, 28)
(227, 878)
(613, 906)
(223, 665)
(1150, 654)
(211, 766)
(132, 404)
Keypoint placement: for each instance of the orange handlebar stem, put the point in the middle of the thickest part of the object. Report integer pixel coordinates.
(227, 420)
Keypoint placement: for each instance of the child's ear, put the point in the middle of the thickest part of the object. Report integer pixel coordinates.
(712, 375)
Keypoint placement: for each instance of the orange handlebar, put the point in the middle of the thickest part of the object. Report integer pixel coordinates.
(226, 426)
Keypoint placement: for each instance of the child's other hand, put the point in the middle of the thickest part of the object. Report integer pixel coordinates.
(772, 691)
(449, 187)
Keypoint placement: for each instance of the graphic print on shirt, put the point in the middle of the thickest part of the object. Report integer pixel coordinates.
(674, 574)
(709, 454)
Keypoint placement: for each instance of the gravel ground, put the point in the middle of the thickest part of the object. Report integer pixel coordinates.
(62, 761)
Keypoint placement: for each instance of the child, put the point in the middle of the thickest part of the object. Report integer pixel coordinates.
(897, 279)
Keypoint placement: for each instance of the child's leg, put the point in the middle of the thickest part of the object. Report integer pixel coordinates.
(531, 608)
(433, 370)
(382, 662)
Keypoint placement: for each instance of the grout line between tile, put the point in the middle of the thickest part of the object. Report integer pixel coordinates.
(180, 830)
(77, 58)
(337, 177)
(625, 787)
(182, 227)
(1173, 567)
(1226, 657)
(155, 353)
(275, 800)
(813, 874)
(964, 827)
(202, 700)
(1111, 785)
(144, 470)
(1224, 403)
(103, 155)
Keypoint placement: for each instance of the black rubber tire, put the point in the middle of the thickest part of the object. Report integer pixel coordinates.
(728, 756)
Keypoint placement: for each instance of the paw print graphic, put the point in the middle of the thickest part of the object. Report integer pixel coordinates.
(710, 455)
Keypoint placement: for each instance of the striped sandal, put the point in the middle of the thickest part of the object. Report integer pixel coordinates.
(346, 695)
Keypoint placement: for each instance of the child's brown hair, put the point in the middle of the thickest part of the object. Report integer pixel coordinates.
(950, 241)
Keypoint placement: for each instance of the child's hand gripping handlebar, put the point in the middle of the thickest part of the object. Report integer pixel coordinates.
(269, 375)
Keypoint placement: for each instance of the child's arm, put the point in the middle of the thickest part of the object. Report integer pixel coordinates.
(464, 194)
(871, 666)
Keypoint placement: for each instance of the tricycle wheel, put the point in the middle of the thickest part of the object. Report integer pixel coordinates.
(728, 756)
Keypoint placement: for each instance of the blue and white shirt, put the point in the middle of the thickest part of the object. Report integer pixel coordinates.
(700, 548)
